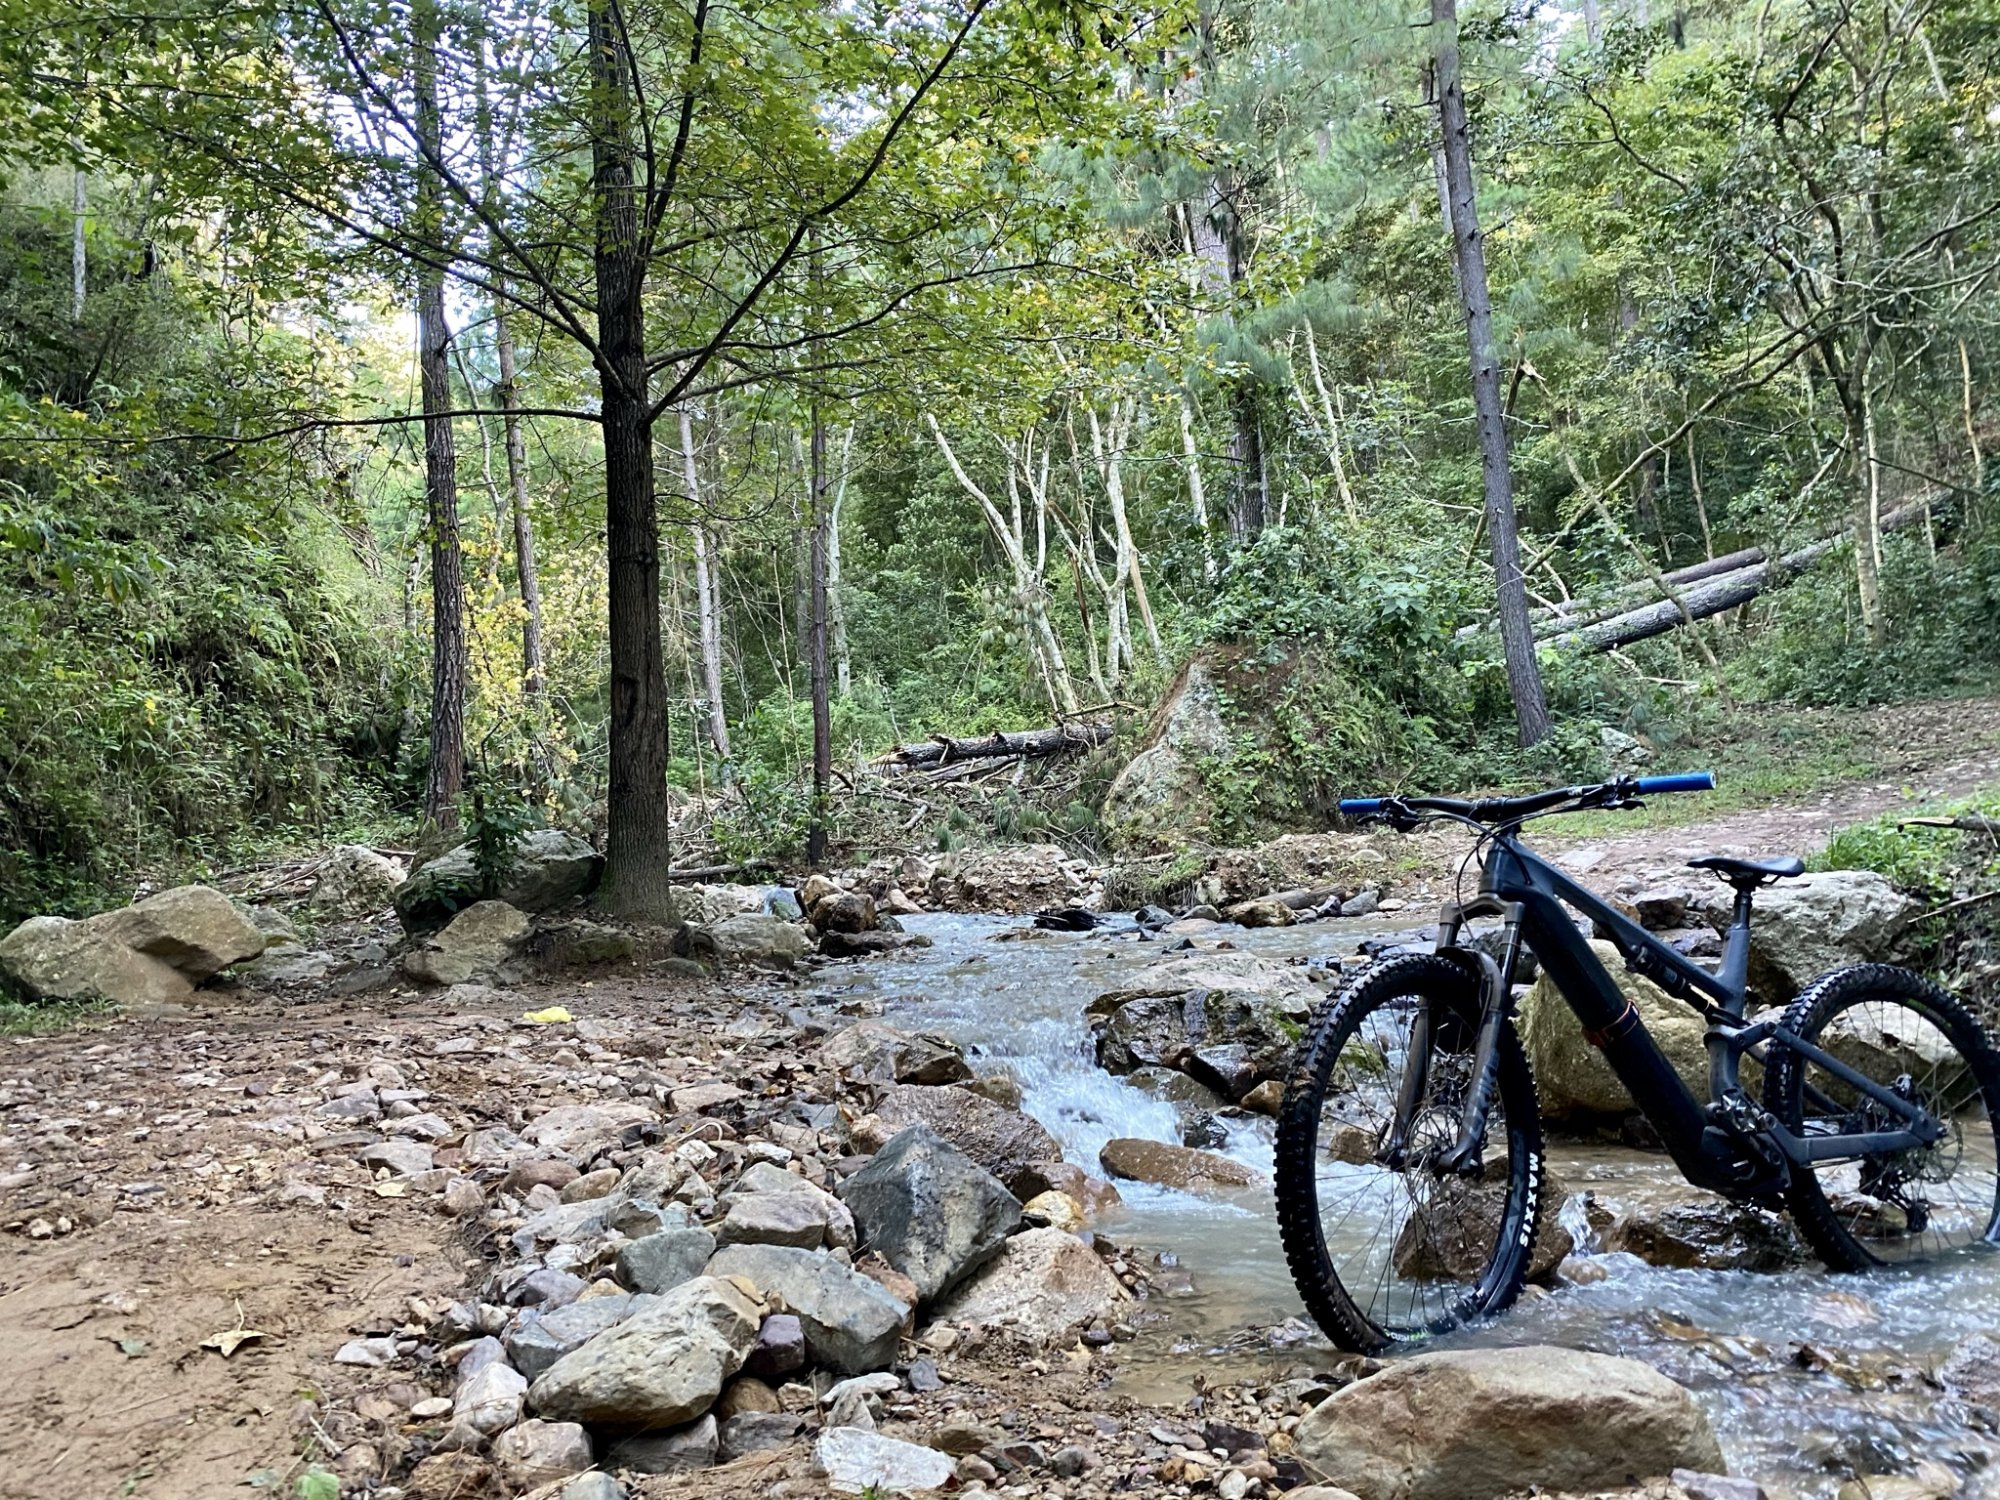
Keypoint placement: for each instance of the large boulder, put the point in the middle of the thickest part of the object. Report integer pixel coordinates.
(851, 1323)
(550, 868)
(705, 905)
(53, 958)
(196, 931)
(1451, 1235)
(1179, 1167)
(662, 1366)
(1043, 1283)
(1160, 795)
(1019, 879)
(1500, 1421)
(1804, 928)
(1004, 1141)
(1710, 1235)
(753, 938)
(1230, 1034)
(871, 1052)
(930, 1211)
(474, 944)
(856, 1461)
(1572, 1076)
(355, 881)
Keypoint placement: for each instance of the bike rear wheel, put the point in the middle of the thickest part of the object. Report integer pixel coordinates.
(1904, 1033)
(1384, 1253)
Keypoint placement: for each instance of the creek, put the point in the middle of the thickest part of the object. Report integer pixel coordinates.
(1808, 1377)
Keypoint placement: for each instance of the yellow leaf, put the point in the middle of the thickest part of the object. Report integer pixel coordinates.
(555, 1015)
(392, 1189)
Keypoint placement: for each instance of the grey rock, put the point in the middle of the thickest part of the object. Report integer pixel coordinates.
(596, 1485)
(660, 1262)
(536, 1452)
(681, 1451)
(538, 1339)
(194, 930)
(355, 881)
(1043, 1283)
(1178, 1167)
(795, 1219)
(1361, 903)
(53, 958)
(869, 1051)
(1715, 1486)
(756, 1431)
(1972, 1370)
(759, 940)
(1016, 879)
(547, 1287)
(1003, 1141)
(405, 1158)
(491, 1400)
(850, 1323)
(856, 1461)
(1161, 797)
(930, 1210)
(705, 905)
(550, 867)
(780, 1348)
(1573, 1078)
(1709, 1235)
(475, 943)
(1442, 1426)
(1807, 927)
(662, 1366)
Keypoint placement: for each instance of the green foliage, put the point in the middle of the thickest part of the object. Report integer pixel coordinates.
(496, 817)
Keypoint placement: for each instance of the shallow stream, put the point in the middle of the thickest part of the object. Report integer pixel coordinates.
(1809, 1378)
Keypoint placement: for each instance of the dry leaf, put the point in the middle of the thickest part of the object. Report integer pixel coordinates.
(392, 1189)
(230, 1340)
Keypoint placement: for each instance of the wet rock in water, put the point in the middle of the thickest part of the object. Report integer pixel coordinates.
(1266, 912)
(870, 1051)
(856, 1461)
(1451, 1236)
(355, 881)
(538, 1339)
(850, 1323)
(1229, 1020)
(843, 911)
(1095, 1194)
(1265, 1098)
(1066, 919)
(1173, 1166)
(662, 1366)
(929, 1210)
(1015, 880)
(1362, 903)
(1972, 1370)
(867, 944)
(1931, 1481)
(477, 943)
(1043, 1283)
(1054, 1211)
(795, 1219)
(754, 1432)
(1003, 1141)
(1572, 1076)
(1497, 1421)
(1715, 1486)
(1806, 927)
(1710, 1236)
(681, 1451)
(755, 939)
(536, 1452)
(550, 868)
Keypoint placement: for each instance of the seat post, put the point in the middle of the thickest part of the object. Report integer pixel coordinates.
(1735, 972)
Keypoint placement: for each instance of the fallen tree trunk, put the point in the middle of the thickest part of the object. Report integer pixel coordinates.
(1712, 595)
(944, 750)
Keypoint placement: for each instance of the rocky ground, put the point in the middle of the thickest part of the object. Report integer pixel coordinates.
(540, 1205)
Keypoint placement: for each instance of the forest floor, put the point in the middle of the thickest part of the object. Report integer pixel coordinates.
(160, 1195)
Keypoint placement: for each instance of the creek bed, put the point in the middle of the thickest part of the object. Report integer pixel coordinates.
(1808, 1377)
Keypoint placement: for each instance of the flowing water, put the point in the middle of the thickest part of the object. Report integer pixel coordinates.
(1808, 1377)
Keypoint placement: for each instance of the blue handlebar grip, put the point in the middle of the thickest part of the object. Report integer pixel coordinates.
(1684, 781)
(1355, 807)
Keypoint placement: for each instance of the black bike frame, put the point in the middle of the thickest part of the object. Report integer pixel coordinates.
(1729, 1144)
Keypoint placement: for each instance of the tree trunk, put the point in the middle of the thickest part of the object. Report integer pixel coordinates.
(1524, 675)
(843, 672)
(1197, 494)
(816, 655)
(448, 651)
(638, 822)
(944, 749)
(532, 680)
(78, 252)
(707, 605)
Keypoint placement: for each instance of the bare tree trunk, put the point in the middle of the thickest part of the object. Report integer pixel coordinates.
(1108, 443)
(1868, 517)
(638, 821)
(843, 673)
(1593, 22)
(707, 605)
(1524, 675)
(822, 708)
(532, 670)
(78, 251)
(1197, 494)
(1328, 415)
(448, 654)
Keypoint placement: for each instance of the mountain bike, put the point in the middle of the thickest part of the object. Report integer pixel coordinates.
(1410, 1168)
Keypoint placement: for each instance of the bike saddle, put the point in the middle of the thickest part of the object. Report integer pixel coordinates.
(1744, 873)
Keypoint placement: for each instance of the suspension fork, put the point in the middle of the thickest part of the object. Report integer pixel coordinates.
(1462, 1157)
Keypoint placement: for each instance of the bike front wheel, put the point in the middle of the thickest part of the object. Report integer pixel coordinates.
(1384, 1248)
(1918, 1042)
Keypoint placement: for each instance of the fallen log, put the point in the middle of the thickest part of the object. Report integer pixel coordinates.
(944, 750)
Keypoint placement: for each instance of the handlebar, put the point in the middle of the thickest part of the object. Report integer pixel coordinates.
(1511, 809)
